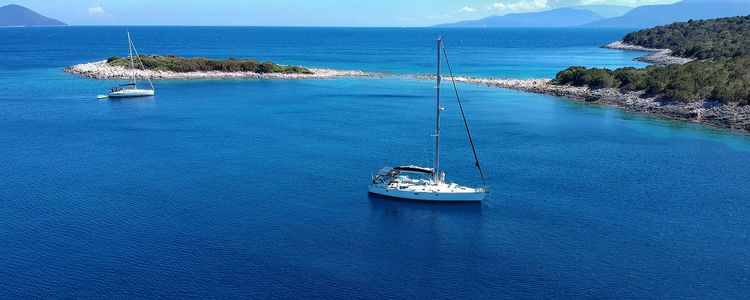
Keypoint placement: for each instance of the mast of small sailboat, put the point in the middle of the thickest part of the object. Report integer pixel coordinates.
(132, 62)
(437, 115)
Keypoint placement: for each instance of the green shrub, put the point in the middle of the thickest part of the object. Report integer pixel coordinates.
(725, 80)
(178, 64)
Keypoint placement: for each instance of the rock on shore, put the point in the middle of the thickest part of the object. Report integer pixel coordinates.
(659, 57)
(103, 70)
(729, 116)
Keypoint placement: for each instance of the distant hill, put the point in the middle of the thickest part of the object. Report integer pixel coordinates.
(16, 15)
(607, 11)
(654, 15)
(561, 17)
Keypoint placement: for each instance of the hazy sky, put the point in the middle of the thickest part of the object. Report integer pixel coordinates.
(291, 12)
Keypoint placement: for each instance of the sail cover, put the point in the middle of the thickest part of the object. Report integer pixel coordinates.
(416, 169)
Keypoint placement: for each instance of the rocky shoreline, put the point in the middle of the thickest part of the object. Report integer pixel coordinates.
(102, 70)
(728, 116)
(659, 57)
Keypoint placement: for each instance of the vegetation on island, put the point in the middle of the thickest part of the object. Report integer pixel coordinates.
(704, 39)
(201, 64)
(721, 71)
(722, 80)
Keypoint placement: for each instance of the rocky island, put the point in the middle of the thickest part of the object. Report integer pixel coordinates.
(172, 67)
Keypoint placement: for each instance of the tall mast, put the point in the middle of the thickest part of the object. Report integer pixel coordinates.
(437, 115)
(132, 62)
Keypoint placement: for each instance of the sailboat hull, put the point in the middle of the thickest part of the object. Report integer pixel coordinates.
(471, 195)
(131, 93)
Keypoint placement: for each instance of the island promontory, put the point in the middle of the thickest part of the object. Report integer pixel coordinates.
(173, 67)
(712, 86)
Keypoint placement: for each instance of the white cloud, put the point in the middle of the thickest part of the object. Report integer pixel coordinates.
(521, 5)
(467, 9)
(97, 10)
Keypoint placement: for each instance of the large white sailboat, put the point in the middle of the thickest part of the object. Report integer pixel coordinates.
(131, 89)
(425, 183)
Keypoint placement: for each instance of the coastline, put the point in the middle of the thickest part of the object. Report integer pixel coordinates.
(102, 70)
(659, 57)
(714, 113)
(727, 116)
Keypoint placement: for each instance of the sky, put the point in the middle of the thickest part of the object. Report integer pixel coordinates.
(376, 13)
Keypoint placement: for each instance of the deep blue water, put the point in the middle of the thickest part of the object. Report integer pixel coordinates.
(257, 188)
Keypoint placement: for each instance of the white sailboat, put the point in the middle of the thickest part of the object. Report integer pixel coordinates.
(425, 183)
(131, 89)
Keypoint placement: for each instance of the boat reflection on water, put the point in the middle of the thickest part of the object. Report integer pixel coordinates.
(435, 226)
(132, 104)
(400, 207)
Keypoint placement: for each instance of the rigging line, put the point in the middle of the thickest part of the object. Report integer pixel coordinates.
(130, 56)
(142, 66)
(466, 124)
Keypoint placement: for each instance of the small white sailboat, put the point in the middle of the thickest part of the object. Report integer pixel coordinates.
(424, 183)
(131, 89)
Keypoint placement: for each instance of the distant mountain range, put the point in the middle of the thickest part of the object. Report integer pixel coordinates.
(607, 11)
(654, 15)
(601, 15)
(16, 15)
(561, 17)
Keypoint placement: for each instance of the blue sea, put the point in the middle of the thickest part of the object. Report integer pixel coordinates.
(258, 188)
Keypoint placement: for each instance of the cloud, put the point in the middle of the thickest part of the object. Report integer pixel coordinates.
(521, 5)
(467, 9)
(97, 10)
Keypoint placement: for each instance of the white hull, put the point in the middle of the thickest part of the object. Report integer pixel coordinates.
(456, 195)
(128, 93)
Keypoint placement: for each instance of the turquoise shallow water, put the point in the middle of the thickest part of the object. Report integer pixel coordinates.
(238, 189)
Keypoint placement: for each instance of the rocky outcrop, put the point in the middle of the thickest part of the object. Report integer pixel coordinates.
(659, 57)
(103, 70)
